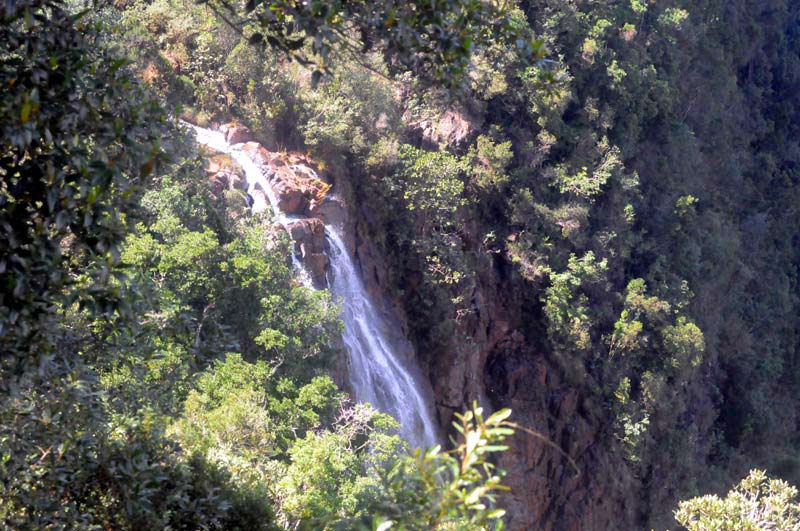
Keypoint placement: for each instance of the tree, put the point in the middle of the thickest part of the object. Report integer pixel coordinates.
(456, 490)
(79, 140)
(433, 39)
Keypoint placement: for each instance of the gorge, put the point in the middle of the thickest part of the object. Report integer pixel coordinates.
(417, 266)
(375, 373)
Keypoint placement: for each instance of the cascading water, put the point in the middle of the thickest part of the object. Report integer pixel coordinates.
(254, 178)
(377, 376)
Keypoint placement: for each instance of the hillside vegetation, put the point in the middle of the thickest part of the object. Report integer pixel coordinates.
(587, 212)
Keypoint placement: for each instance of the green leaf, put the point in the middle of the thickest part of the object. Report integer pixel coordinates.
(499, 416)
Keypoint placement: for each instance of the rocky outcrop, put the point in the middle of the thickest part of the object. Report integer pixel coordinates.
(576, 483)
(224, 174)
(236, 133)
(299, 191)
(491, 358)
(309, 240)
(455, 128)
(298, 188)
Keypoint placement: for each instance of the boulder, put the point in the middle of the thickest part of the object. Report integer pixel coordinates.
(293, 178)
(316, 264)
(291, 199)
(224, 174)
(309, 237)
(308, 230)
(257, 152)
(235, 133)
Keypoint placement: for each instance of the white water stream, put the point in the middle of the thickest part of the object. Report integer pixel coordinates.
(377, 375)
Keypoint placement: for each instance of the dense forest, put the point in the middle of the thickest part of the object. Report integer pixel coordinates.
(571, 229)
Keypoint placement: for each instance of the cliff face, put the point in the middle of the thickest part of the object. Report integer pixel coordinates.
(655, 195)
(625, 245)
(569, 477)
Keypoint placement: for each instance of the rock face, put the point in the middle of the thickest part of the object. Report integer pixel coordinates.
(309, 240)
(298, 187)
(224, 174)
(587, 486)
(455, 128)
(299, 191)
(236, 133)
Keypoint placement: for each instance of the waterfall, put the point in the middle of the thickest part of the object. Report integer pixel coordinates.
(255, 179)
(377, 375)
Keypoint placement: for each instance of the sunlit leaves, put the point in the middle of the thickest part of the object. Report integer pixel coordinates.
(453, 490)
(756, 503)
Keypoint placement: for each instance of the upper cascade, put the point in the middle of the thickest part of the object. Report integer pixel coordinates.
(290, 185)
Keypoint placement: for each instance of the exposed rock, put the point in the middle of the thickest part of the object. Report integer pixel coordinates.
(236, 133)
(550, 491)
(332, 211)
(489, 359)
(291, 199)
(316, 264)
(298, 187)
(224, 174)
(310, 232)
(309, 237)
(455, 128)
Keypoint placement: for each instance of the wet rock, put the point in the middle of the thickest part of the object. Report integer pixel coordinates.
(316, 264)
(309, 237)
(236, 133)
(298, 186)
(332, 211)
(291, 198)
(224, 174)
(310, 232)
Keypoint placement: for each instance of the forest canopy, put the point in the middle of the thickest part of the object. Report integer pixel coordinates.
(586, 213)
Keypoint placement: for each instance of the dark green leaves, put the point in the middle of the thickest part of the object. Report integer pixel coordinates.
(433, 39)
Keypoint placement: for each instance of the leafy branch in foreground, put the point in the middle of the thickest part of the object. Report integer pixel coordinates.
(454, 490)
(433, 39)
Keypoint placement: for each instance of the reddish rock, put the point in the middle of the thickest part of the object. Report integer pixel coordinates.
(297, 185)
(291, 199)
(307, 228)
(224, 174)
(235, 133)
(256, 151)
(316, 265)
(309, 237)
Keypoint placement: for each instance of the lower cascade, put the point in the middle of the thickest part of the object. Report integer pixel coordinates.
(376, 374)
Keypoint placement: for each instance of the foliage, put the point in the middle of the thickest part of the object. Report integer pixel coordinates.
(627, 207)
(79, 139)
(453, 490)
(434, 40)
(757, 502)
(306, 448)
